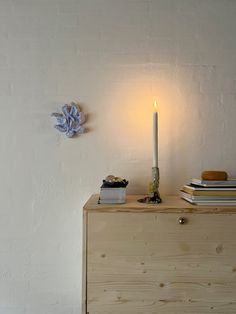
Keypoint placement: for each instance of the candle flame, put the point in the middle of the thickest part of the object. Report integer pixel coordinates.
(155, 105)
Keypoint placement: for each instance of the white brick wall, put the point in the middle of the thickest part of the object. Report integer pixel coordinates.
(114, 57)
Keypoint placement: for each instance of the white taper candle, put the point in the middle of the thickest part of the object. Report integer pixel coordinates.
(155, 136)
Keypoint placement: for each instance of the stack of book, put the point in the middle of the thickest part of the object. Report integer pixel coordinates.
(113, 190)
(210, 192)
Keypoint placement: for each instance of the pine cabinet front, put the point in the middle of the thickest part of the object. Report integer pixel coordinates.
(170, 262)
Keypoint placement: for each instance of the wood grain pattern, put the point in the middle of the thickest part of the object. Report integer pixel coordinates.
(170, 204)
(147, 263)
(140, 260)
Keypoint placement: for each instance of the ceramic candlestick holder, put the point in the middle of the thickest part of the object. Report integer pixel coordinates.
(154, 195)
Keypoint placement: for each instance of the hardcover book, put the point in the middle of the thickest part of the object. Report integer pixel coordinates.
(210, 201)
(208, 198)
(209, 191)
(213, 183)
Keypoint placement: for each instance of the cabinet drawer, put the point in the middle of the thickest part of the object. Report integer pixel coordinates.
(143, 263)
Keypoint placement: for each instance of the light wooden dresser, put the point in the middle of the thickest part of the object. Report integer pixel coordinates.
(171, 258)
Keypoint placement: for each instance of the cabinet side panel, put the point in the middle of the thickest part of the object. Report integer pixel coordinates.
(84, 264)
(147, 263)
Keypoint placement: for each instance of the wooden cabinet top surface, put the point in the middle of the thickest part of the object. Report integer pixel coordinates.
(170, 204)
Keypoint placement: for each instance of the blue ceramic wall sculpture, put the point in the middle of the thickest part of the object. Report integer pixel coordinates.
(70, 120)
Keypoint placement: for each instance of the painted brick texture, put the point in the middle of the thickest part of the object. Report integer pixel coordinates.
(114, 57)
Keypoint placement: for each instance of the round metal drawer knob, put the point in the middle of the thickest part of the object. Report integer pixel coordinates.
(182, 220)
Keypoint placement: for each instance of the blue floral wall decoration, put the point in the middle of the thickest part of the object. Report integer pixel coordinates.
(70, 120)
